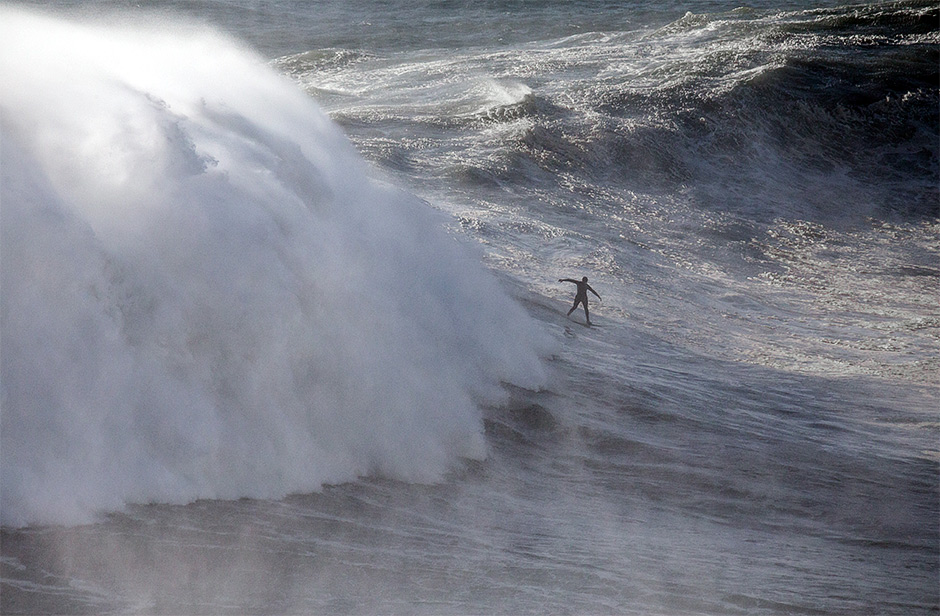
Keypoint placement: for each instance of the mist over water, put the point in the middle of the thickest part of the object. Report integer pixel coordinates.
(206, 296)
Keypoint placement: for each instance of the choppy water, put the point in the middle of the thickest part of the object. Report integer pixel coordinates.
(244, 371)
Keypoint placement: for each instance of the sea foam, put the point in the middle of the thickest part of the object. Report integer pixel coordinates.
(204, 294)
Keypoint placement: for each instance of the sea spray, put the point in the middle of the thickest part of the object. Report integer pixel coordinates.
(204, 294)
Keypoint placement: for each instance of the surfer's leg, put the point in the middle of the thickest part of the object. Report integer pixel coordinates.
(576, 302)
(587, 316)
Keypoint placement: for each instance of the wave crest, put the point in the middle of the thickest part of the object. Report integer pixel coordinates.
(204, 294)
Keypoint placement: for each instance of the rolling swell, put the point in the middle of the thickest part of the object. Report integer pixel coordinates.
(821, 115)
(883, 19)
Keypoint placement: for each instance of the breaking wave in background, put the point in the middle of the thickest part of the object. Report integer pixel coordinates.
(206, 296)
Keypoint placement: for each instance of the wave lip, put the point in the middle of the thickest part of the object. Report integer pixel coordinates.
(205, 296)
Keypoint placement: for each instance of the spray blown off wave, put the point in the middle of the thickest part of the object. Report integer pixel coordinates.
(203, 294)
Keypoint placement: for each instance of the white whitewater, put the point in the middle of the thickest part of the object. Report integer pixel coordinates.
(204, 294)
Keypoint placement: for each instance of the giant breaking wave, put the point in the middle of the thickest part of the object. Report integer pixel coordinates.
(205, 296)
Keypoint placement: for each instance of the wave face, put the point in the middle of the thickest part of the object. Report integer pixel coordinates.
(204, 294)
(782, 163)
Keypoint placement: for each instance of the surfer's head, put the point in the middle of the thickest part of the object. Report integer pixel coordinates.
(584, 279)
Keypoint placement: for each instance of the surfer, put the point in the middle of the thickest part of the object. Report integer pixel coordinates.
(581, 296)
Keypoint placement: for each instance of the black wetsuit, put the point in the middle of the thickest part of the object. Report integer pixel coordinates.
(581, 296)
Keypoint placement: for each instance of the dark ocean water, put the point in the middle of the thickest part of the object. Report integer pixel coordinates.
(282, 330)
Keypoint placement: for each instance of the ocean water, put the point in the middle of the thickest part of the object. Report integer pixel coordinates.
(281, 329)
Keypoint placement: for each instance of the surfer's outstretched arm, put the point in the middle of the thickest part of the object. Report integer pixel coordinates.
(593, 291)
(568, 280)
